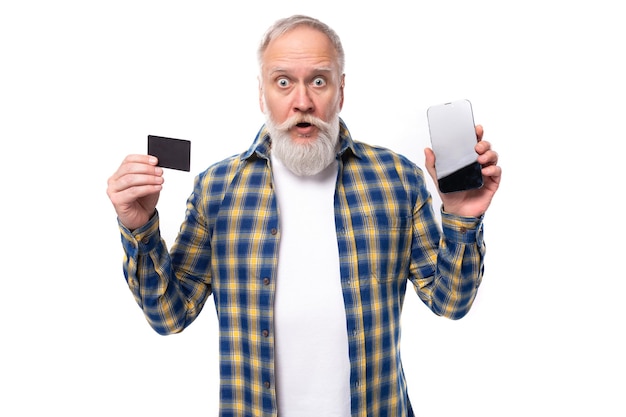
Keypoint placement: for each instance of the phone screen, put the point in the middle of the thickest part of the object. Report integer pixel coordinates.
(453, 138)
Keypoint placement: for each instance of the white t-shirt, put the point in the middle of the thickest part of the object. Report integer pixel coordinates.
(311, 340)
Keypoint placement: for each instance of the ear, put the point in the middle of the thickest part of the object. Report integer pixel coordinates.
(342, 85)
(261, 101)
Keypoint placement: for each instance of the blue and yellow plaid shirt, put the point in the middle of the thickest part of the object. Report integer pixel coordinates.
(227, 246)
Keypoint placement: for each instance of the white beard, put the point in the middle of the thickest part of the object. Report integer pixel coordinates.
(304, 159)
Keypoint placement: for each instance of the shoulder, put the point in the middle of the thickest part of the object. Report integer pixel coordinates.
(385, 158)
(227, 168)
(380, 168)
(220, 171)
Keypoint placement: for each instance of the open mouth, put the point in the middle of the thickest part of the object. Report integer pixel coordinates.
(303, 124)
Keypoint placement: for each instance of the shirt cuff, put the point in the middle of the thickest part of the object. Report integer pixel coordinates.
(144, 238)
(462, 229)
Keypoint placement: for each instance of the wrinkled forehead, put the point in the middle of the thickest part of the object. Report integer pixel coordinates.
(317, 31)
(300, 47)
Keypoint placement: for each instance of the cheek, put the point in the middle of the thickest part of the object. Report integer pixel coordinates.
(277, 107)
(332, 107)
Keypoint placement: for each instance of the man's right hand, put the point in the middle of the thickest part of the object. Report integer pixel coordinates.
(134, 189)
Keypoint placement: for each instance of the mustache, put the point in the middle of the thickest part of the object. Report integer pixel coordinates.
(297, 119)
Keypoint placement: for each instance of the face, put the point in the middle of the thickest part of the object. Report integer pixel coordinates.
(301, 93)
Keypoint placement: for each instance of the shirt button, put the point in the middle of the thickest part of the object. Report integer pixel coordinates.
(463, 229)
(266, 384)
(266, 281)
(265, 333)
(273, 231)
(145, 240)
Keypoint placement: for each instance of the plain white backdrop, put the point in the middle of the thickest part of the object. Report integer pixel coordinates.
(82, 83)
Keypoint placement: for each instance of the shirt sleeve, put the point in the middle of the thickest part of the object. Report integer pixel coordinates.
(451, 267)
(166, 287)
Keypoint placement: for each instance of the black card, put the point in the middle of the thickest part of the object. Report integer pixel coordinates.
(172, 153)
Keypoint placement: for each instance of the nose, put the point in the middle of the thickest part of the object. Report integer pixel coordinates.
(302, 100)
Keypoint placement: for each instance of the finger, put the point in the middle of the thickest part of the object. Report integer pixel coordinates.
(492, 174)
(129, 195)
(479, 132)
(132, 166)
(492, 171)
(132, 194)
(124, 182)
(488, 158)
(144, 159)
(136, 161)
(482, 147)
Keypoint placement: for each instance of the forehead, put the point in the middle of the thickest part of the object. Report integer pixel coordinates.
(301, 46)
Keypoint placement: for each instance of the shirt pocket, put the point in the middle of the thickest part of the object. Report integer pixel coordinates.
(383, 244)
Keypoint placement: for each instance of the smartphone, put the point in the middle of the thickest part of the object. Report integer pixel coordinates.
(453, 138)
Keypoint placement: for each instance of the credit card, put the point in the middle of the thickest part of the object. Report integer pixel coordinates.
(171, 153)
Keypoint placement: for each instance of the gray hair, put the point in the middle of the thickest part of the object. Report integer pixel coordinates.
(282, 26)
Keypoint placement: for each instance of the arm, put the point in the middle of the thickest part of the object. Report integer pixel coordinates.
(458, 254)
(169, 292)
(170, 289)
(447, 267)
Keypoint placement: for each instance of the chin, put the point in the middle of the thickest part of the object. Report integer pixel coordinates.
(302, 139)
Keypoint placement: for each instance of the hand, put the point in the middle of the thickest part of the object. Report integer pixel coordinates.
(134, 189)
(472, 203)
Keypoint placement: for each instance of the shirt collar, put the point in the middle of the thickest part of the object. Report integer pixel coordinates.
(262, 143)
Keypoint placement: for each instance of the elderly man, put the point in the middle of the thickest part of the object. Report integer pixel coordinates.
(307, 241)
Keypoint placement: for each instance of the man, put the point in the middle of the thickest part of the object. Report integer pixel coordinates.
(306, 241)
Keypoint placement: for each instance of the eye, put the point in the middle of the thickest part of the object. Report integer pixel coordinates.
(319, 82)
(282, 82)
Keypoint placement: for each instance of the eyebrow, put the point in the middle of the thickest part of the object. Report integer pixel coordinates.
(282, 70)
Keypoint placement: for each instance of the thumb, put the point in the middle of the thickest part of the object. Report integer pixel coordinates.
(430, 163)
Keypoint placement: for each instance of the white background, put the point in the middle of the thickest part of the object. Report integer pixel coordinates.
(82, 83)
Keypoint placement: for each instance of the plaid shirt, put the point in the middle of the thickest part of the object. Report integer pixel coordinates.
(228, 245)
